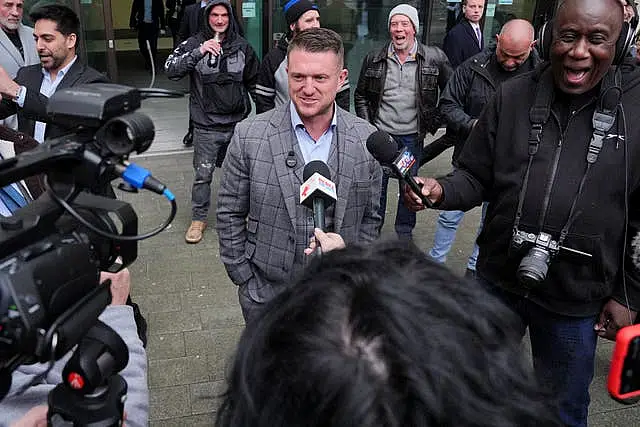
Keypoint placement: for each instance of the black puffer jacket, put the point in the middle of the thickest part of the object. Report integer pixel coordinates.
(469, 90)
(492, 166)
(434, 71)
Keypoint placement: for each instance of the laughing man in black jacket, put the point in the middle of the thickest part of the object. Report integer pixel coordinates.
(582, 194)
(397, 92)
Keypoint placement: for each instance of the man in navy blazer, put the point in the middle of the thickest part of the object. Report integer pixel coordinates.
(56, 35)
(465, 39)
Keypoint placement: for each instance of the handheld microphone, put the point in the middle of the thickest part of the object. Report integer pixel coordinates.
(384, 149)
(317, 191)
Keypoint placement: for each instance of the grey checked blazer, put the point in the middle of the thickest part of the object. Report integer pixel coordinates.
(258, 199)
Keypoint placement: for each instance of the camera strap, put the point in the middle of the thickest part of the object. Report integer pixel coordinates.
(603, 119)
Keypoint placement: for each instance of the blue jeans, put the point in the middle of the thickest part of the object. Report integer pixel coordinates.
(445, 234)
(563, 351)
(405, 219)
(206, 144)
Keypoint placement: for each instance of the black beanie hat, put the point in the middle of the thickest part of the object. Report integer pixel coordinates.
(294, 9)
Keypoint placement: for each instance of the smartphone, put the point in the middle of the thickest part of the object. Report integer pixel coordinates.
(624, 376)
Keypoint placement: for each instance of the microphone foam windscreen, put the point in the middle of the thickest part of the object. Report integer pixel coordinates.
(316, 166)
(382, 147)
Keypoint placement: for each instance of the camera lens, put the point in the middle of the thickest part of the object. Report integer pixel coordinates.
(533, 268)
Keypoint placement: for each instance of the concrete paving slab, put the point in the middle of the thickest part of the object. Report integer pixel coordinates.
(191, 305)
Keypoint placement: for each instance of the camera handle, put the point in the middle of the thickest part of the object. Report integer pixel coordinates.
(92, 393)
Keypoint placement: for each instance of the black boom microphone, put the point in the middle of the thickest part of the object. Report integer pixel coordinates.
(384, 149)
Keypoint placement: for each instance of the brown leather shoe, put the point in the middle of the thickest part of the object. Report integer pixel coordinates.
(194, 233)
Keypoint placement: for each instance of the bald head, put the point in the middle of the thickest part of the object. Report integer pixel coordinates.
(583, 45)
(610, 9)
(514, 44)
(518, 31)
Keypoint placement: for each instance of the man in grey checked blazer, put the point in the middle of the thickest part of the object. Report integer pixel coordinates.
(262, 228)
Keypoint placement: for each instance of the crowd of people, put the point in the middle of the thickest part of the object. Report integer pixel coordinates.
(342, 329)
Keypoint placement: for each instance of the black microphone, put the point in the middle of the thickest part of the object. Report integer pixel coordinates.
(384, 149)
(317, 191)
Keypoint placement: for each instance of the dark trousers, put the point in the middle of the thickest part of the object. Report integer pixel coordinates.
(207, 143)
(174, 26)
(563, 350)
(148, 31)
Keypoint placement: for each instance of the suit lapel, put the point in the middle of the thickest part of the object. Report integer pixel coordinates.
(74, 73)
(344, 173)
(28, 45)
(10, 48)
(282, 141)
(472, 35)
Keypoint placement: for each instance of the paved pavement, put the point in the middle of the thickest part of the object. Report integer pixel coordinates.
(191, 305)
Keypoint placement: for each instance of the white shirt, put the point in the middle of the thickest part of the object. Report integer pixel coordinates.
(47, 88)
(310, 148)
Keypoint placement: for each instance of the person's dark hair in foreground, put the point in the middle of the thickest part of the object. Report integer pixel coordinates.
(380, 336)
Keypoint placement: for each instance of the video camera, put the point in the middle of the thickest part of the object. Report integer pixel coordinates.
(53, 249)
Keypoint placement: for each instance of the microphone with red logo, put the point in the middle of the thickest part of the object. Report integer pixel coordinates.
(317, 191)
(384, 149)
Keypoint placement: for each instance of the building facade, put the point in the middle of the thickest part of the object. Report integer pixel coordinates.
(109, 45)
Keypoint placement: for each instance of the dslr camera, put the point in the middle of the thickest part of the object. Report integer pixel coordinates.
(534, 265)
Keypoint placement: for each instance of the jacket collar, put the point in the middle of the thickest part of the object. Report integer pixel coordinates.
(341, 161)
(382, 54)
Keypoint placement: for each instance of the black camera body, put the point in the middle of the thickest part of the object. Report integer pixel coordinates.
(53, 249)
(534, 266)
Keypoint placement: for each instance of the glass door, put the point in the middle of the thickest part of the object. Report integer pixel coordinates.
(97, 38)
(249, 13)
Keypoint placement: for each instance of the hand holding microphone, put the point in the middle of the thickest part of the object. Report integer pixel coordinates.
(384, 149)
(430, 189)
(328, 242)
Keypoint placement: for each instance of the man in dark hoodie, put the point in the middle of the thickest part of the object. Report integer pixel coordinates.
(272, 88)
(223, 69)
(554, 153)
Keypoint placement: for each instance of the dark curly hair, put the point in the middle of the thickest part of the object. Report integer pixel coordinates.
(381, 336)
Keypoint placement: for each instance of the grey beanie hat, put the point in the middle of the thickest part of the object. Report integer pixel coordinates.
(407, 10)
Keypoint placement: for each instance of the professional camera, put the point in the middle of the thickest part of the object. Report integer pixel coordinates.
(534, 265)
(53, 249)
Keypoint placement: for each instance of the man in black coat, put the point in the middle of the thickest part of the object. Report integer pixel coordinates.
(467, 92)
(147, 16)
(554, 155)
(397, 92)
(465, 39)
(56, 34)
